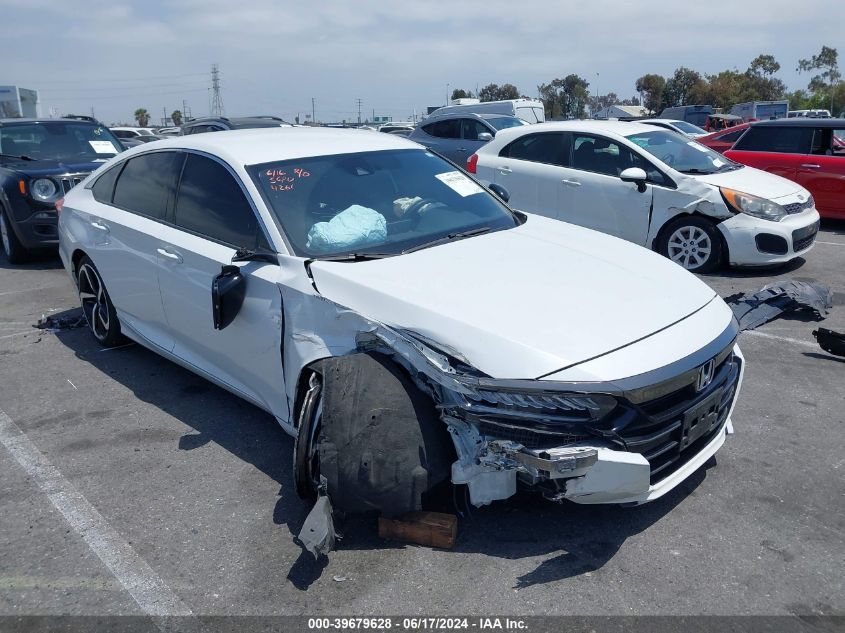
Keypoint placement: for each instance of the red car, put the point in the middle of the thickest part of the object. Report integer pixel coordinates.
(723, 139)
(809, 151)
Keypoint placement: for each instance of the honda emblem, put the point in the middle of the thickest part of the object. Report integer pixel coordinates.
(705, 375)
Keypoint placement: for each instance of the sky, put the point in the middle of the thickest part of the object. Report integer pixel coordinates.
(396, 57)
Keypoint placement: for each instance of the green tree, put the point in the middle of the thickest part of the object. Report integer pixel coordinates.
(681, 86)
(599, 102)
(651, 87)
(142, 117)
(761, 84)
(460, 93)
(176, 117)
(494, 92)
(565, 97)
(827, 63)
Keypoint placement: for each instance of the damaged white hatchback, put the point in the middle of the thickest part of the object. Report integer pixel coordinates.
(402, 322)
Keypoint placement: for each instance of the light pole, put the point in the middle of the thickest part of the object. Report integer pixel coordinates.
(447, 95)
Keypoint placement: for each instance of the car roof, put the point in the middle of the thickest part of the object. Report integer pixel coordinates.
(801, 122)
(659, 120)
(464, 114)
(596, 126)
(263, 145)
(48, 120)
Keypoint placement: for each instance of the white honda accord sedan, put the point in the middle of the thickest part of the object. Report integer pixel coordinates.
(653, 187)
(401, 322)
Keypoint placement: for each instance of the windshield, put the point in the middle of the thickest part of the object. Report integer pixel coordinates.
(58, 140)
(681, 153)
(689, 128)
(502, 122)
(383, 202)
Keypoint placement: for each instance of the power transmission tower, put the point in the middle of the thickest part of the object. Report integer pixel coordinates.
(359, 111)
(217, 108)
(313, 112)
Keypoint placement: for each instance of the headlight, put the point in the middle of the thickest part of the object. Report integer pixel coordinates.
(577, 406)
(43, 189)
(753, 205)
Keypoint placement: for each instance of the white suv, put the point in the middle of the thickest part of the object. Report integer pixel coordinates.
(402, 322)
(653, 187)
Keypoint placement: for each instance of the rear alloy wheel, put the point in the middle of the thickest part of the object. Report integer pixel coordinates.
(692, 242)
(96, 304)
(12, 247)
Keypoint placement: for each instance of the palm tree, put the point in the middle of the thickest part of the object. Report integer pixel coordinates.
(142, 117)
(176, 117)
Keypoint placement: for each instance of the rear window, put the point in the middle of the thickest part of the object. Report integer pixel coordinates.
(550, 148)
(784, 140)
(450, 128)
(147, 182)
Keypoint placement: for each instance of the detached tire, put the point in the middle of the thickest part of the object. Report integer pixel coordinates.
(12, 247)
(692, 242)
(96, 304)
(376, 438)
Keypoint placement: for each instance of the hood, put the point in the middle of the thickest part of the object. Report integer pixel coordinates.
(37, 168)
(754, 181)
(524, 302)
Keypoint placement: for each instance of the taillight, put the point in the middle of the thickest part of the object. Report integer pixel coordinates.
(59, 204)
(472, 163)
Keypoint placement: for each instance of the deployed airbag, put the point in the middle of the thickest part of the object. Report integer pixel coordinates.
(353, 227)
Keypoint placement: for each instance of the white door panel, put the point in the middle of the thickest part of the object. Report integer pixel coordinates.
(245, 355)
(533, 187)
(607, 204)
(124, 251)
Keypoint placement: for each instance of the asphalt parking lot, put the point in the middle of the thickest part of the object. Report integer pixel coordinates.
(190, 489)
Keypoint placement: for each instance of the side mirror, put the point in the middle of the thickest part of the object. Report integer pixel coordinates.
(485, 136)
(227, 296)
(500, 192)
(635, 175)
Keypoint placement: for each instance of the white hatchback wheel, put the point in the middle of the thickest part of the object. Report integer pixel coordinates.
(690, 246)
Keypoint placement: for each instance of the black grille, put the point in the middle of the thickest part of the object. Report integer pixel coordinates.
(672, 429)
(798, 207)
(70, 181)
(804, 238)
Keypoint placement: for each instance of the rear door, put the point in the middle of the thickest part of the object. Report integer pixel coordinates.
(132, 201)
(531, 169)
(470, 129)
(823, 171)
(444, 137)
(600, 200)
(212, 218)
(778, 150)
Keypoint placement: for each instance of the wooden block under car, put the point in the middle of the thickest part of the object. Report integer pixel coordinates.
(434, 529)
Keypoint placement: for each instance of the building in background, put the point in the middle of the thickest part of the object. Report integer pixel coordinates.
(16, 102)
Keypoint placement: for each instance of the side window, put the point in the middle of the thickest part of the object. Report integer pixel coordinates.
(604, 156)
(822, 142)
(146, 183)
(551, 148)
(211, 203)
(470, 129)
(103, 189)
(730, 137)
(785, 140)
(450, 128)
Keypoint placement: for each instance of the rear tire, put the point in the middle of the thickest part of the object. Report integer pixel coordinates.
(12, 247)
(96, 304)
(692, 242)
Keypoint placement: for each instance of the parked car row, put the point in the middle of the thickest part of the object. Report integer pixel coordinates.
(405, 325)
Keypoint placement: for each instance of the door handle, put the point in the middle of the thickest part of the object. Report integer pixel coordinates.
(810, 166)
(505, 170)
(461, 149)
(99, 226)
(571, 183)
(176, 257)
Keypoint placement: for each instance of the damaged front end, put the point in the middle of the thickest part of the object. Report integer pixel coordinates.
(628, 441)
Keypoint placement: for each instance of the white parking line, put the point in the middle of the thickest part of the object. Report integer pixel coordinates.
(829, 243)
(785, 339)
(137, 577)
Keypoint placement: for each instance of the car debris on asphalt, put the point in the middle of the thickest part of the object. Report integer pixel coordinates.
(775, 299)
(830, 341)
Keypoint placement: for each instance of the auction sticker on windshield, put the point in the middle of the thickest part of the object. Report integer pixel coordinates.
(459, 183)
(103, 147)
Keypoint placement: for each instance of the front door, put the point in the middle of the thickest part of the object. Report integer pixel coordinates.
(213, 218)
